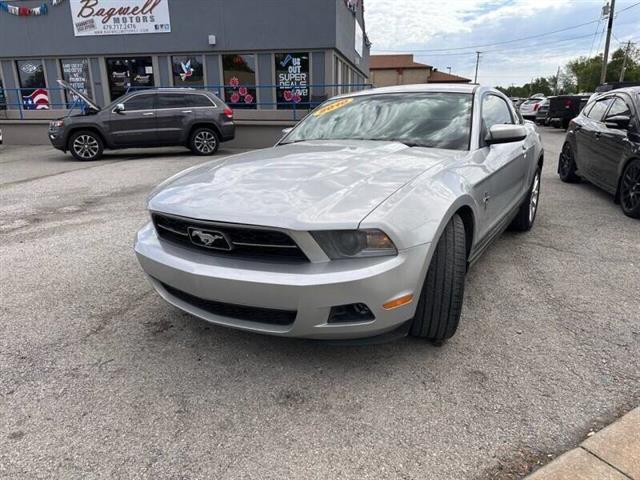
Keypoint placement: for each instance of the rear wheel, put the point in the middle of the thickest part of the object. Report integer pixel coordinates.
(204, 141)
(438, 312)
(630, 189)
(529, 207)
(86, 145)
(567, 165)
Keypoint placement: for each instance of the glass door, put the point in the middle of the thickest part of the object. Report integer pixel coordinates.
(135, 73)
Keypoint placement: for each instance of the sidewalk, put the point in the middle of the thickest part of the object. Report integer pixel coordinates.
(611, 454)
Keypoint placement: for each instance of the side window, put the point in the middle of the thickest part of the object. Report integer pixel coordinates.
(171, 100)
(599, 109)
(619, 107)
(198, 100)
(495, 112)
(139, 102)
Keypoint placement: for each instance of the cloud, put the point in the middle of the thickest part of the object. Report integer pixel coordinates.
(414, 25)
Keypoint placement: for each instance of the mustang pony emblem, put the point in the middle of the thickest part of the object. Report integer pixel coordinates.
(209, 239)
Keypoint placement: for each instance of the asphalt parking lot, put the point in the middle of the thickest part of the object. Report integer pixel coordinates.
(100, 378)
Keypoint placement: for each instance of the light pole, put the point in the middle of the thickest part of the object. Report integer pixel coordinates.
(475, 78)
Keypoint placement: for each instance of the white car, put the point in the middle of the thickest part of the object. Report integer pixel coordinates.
(529, 108)
(362, 221)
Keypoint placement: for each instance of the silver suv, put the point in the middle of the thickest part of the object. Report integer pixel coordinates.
(151, 118)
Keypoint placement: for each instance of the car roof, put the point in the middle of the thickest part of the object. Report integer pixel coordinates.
(418, 88)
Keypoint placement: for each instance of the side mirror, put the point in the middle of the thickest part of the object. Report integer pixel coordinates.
(621, 122)
(119, 108)
(506, 133)
(285, 131)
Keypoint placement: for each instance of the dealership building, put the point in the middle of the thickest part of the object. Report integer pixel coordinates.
(271, 60)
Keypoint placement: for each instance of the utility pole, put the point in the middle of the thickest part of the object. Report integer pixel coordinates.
(624, 62)
(555, 90)
(605, 58)
(475, 79)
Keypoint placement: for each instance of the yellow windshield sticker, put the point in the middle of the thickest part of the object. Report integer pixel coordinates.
(332, 106)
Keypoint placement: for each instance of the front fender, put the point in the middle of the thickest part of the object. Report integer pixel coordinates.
(419, 212)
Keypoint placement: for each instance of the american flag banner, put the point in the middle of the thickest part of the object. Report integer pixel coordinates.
(37, 100)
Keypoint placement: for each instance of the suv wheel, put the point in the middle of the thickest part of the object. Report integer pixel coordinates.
(529, 207)
(630, 189)
(438, 312)
(86, 145)
(204, 141)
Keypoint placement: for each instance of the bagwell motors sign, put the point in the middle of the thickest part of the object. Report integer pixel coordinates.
(119, 17)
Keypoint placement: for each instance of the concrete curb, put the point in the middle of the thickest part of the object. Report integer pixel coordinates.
(611, 454)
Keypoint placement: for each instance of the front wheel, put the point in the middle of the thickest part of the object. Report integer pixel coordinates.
(438, 311)
(529, 207)
(86, 145)
(630, 189)
(204, 141)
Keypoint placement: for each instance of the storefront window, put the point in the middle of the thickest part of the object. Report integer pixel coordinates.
(187, 72)
(292, 79)
(76, 72)
(33, 85)
(129, 74)
(239, 73)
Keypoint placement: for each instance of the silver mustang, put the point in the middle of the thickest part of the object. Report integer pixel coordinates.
(361, 222)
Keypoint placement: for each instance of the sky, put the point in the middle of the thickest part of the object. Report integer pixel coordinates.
(446, 33)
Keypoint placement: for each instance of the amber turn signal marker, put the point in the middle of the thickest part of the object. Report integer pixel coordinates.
(398, 302)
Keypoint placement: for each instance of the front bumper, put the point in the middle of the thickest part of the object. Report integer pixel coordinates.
(309, 289)
(57, 138)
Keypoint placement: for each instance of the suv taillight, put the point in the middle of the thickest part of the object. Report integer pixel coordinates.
(228, 112)
(536, 107)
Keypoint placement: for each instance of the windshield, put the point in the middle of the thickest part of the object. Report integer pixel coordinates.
(439, 120)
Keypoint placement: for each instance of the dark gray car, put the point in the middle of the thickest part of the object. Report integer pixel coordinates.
(151, 118)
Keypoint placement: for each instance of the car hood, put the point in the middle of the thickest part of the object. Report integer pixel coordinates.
(315, 184)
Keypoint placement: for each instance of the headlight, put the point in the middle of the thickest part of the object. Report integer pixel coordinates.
(355, 243)
(56, 123)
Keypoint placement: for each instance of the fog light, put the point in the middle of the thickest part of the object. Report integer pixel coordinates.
(398, 302)
(354, 312)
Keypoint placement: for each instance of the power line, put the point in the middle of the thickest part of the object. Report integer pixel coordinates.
(512, 40)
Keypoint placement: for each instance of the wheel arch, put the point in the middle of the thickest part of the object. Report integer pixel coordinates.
(204, 124)
(89, 128)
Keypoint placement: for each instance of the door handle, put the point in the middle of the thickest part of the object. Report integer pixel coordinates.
(187, 111)
(147, 114)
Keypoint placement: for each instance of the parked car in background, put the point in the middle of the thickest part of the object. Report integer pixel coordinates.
(603, 147)
(517, 101)
(149, 118)
(542, 117)
(356, 224)
(564, 108)
(529, 108)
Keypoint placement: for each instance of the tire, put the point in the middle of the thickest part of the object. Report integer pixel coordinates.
(438, 311)
(630, 189)
(567, 165)
(526, 216)
(86, 145)
(204, 141)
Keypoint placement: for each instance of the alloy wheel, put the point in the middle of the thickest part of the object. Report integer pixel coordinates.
(205, 142)
(86, 146)
(630, 187)
(535, 195)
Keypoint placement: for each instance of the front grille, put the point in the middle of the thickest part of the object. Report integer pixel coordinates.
(244, 242)
(239, 312)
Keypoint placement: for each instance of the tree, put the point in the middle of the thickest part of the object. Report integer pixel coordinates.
(582, 75)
